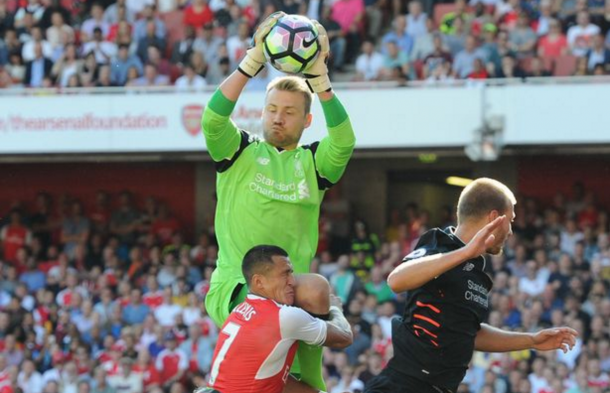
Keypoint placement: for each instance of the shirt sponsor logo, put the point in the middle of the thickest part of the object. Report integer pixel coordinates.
(477, 293)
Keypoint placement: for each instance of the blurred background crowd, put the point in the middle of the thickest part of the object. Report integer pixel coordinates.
(106, 295)
(192, 44)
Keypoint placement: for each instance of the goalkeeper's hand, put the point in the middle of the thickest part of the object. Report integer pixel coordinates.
(255, 58)
(317, 73)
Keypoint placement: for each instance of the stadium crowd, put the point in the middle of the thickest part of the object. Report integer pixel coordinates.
(107, 295)
(191, 44)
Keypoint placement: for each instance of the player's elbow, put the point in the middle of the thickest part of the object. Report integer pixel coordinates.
(343, 341)
(399, 283)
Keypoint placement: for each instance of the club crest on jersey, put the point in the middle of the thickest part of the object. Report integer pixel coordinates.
(468, 267)
(298, 169)
(303, 190)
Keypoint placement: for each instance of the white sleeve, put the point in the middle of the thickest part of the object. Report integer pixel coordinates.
(296, 324)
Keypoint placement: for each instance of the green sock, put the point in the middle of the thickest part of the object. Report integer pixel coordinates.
(308, 363)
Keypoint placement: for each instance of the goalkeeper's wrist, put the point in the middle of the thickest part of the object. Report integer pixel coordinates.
(250, 67)
(318, 83)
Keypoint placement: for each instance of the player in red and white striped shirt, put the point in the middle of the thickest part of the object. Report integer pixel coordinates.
(257, 343)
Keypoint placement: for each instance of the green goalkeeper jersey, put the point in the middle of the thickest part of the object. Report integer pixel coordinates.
(267, 195)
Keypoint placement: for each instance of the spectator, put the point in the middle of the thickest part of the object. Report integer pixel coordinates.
(537, 68)
(374, 16)
(183, 49)
(198, 14)
(123, 221)
(171, 362)
(198, 349)
(399, 35)
(150, 39)
(349, 14)
(394, 58)
(33, 8)
(336, 37)
(135, 312)
(76, 228)
(580, 36)
(238, 44)
(148, 15)
(68, 65)
(510, 69)
(417, 20)
(150, 78)
(29, 380)
(448, 24)
(478, 71)
(209, 44)
(598, 54)
(522, 38)
(553, 44)
(58, 29)
(104, 50)
(28, 51)
(190, 80)
(545, 18)
(463, 63)
(423, 44)
(96, 21)
(126, 381)
(111, 14)
(14, 236)
(369, 64)
(435, 59)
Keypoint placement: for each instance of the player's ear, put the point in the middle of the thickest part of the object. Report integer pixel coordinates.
(257, 282)
(308, 119)
(493, 215)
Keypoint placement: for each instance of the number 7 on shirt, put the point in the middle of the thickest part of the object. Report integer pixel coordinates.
(231, 329)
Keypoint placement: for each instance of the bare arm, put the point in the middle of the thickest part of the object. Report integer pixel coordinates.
(232, 87)
(417, 272)
(491, 339)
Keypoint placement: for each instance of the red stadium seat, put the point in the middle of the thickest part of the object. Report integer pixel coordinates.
(565, 65)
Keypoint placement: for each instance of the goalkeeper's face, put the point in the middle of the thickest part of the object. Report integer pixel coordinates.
(284, 118)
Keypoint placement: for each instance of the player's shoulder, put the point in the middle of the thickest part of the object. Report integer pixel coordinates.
(434, 241)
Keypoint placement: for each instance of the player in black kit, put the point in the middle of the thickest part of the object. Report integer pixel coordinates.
(448, 299)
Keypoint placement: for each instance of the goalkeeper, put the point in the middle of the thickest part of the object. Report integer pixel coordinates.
(270, 190)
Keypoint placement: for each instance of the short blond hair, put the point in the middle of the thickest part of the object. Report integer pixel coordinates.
(483, 196)
(293, 84)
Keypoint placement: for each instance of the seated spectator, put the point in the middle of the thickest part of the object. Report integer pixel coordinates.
(27, 51)
(38, 68)
(463, 64)
(394, 58)
(599, 70)
(369, 63)
(198, 14)
(349, 14)
(457, 41)
(218, 70)
(336, 39)
(507, 14)
(423, 44)
(58, 29)
(149, 14)
(126, 380)
(448, 25)
(545, 18)
(69, 64)
(190, 80)
(553, 44)
(537, 68)
(111, 15)
(96, 21)
(417, 20)
(510, 69)
(209, 44)
(33, 8)
(122, 23)
(398, 34)
(438, 56)
(238, 44)
(151, 39)
(580, 37)
(155, 58)
(181, 52)
(478, 70)
(15, 68)
(104, 50)
(122, 63)
(599, 53)
(522, 38)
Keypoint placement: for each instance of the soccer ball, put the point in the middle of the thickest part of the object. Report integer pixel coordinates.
(292, 44)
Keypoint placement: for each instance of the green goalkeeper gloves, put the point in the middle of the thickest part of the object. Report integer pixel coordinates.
(317, 73)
